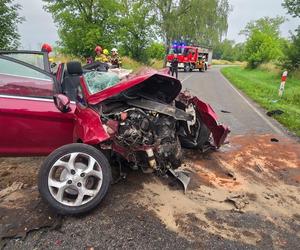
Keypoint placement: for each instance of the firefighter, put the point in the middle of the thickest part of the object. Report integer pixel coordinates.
(115, 60)
(100, 57)
(106, 53)
(174, 66)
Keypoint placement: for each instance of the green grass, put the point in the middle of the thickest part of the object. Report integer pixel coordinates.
(262, 86)
(225, 62)
(129, 63)
(156, 64)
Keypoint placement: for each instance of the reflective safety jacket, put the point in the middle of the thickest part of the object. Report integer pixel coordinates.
(101, 58)
(116, 60)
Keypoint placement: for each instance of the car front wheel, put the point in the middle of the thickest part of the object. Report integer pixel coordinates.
(74, 178)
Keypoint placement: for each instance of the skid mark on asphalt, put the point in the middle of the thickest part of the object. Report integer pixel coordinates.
(263, 175)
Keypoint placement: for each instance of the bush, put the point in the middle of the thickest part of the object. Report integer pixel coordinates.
(262, 48)
(263, 41)
(292, 55)
(156, 51)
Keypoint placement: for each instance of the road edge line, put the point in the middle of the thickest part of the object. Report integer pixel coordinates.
(276, 129)
(188, 77)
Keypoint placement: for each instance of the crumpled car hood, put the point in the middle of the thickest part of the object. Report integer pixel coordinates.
(151, 81)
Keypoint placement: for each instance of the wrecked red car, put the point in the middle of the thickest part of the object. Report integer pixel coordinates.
(88, 120)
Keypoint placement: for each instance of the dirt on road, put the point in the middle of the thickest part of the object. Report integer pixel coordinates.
(246, 195)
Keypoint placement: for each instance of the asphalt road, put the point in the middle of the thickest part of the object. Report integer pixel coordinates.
(143, 212)
(244, 117)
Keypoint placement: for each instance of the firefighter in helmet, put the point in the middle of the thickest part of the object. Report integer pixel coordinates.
(115, 60)
(106, 56)
(100, 57)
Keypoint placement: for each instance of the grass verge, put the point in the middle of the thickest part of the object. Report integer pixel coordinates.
(225, 62)
(262, 86)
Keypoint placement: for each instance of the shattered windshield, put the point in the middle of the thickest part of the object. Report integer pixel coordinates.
(97, 81)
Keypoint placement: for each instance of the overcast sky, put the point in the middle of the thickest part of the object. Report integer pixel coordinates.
(39, 27)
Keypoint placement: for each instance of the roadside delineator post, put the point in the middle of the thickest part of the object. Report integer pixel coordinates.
(282, 85)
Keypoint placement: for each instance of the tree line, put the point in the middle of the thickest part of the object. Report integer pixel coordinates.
(135, 26)
(139, 28)
(143, 29)
(264, 43)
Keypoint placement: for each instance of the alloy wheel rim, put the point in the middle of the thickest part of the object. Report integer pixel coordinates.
(75, 179)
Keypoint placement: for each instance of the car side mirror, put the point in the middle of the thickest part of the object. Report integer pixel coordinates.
(62, 103)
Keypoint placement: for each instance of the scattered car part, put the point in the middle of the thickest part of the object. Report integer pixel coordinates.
(239, 201)
(225, 111)
(274, 140)
(183, 178)
(275, 112)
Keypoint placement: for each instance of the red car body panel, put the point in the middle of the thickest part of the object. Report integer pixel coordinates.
(210, 119)
(33, 126)
(88, 126)
(14, 85)
(118, 88)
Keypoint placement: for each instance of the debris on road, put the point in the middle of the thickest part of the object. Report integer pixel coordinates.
(275, 112)
(14, 187)
(225, 111)
(259, 168)
(274, 140)
(231, 174)
(202, 211)
(239, 202)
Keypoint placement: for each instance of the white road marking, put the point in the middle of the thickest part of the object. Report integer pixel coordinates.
(188, 77)
(277, 130)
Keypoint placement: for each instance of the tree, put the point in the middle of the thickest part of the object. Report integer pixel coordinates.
(156, 51)
(204, 22)
(293, 7)
(9, 19)
(292, 53)
(224, 50)
(132, 25)
(292, 50)
(229, 50)
(263, 42)
(195, 21)
(83, 24)
(135, 31)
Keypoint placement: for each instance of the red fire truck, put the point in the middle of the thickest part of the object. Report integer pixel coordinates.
(191, 57)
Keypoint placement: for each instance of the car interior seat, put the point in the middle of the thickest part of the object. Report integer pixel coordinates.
(71, 80)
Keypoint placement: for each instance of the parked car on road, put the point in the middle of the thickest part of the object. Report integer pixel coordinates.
(83, 120)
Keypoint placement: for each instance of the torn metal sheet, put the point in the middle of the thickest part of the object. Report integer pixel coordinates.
(183, 178)
(165, 109)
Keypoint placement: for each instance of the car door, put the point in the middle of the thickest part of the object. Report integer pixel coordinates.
(38, 59)
(30, 123)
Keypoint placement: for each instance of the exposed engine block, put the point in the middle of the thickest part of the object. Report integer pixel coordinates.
(140, 129)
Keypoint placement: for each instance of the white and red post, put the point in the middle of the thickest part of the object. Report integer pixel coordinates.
(283, 81)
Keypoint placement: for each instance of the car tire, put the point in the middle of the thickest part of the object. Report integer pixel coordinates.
(187, 67)
(80, 164)
(192, 67)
